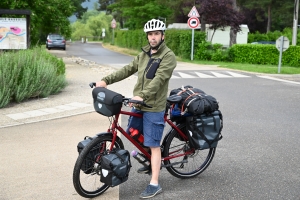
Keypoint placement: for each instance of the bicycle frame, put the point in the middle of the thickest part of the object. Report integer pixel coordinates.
(115, 126)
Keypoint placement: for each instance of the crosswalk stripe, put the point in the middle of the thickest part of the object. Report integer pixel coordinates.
(220, 75)
(173, 76)
(236, 75)
(201, 75)
(184, 75)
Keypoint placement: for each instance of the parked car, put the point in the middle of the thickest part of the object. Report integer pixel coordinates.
(264, 42)
(55, 41)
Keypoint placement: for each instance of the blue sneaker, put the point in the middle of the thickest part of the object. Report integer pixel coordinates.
(150, 191)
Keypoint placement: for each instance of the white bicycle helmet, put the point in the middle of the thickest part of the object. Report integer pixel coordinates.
(154, 25)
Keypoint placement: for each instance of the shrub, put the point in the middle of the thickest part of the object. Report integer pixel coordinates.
(264, 54)
(29, 73)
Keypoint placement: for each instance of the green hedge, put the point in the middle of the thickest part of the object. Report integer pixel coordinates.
(264, 54)
(177, 40)
(180, 42)
(29, 73)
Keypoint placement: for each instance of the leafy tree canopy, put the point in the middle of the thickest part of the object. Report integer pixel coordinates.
(138, 12)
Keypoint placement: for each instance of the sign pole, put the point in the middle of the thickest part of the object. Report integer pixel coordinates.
(113, 26)
(280, 54)
(113, 35)
(192, 50)
(193, 22)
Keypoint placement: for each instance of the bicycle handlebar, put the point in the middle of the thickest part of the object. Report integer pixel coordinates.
(127, 100)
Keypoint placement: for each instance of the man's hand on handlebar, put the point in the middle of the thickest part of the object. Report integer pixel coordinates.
(101, 84)
(137, 98)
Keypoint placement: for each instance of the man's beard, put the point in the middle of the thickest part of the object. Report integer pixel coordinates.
(155, 45)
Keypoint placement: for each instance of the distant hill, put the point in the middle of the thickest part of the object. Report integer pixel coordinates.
(87, 4)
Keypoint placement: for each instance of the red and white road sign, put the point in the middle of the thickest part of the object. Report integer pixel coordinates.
(193, 22)
(193, 12)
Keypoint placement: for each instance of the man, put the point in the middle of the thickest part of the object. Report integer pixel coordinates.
(155, 65)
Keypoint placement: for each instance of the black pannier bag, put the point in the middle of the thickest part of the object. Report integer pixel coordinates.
(204, 131)
(194, 102)
(88, 163)
(115, 167)
(107, 102)
(200, 103)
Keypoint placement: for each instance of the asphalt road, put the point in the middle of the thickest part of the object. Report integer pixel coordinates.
(258, 156)
(256, 159)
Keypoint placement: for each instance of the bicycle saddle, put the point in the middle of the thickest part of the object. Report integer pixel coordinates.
(174, 98)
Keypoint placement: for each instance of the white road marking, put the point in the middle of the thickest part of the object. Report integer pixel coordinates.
(184, 75)
(220, 75)
(278, 79)
(237, 75)
(201, 75)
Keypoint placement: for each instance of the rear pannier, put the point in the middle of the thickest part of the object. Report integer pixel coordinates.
(204, 131)
(107, 102)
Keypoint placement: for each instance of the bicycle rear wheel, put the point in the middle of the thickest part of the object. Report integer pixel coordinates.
(86, 173)
(189, 165)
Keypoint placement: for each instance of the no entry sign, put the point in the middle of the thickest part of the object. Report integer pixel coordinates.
(193, 22)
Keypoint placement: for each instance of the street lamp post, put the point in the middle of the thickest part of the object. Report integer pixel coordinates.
(295, 22)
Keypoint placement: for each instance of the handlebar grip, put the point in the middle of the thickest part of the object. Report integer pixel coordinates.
(92, 84)
(139, 102)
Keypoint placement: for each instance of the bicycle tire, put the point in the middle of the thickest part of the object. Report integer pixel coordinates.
(83, 179)
(197, 161)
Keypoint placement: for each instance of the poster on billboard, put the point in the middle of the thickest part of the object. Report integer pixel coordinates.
(13, 33)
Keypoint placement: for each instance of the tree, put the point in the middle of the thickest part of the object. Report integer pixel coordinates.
(232, 31)
(79, 10)
(91, 25)
(272, 9)
(137, 13)
(97, 23)
(47, 16)
(220, 14)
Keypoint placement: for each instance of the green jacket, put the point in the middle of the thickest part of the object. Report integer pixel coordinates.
(154, 73)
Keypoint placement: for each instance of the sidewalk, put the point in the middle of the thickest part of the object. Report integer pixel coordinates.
(75, 99)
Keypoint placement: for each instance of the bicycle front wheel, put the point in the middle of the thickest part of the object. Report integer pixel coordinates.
(86, 174)
(189, 165)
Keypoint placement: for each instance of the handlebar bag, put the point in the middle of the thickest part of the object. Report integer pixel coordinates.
(204, 131)
(115, 167)
(107, 102)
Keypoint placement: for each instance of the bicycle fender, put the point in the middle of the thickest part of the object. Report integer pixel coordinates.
(104, 134)
(109, 134)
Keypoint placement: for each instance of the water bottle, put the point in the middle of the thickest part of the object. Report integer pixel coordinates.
(140, 158)
(136, 135)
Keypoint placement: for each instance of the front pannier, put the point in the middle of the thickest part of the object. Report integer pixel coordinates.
(107, 102)
(204, 131)
(115, 167)
(88, 162)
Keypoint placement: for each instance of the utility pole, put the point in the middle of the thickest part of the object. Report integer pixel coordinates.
(295, 22)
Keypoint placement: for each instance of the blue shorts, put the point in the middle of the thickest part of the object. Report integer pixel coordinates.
(151, 125)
